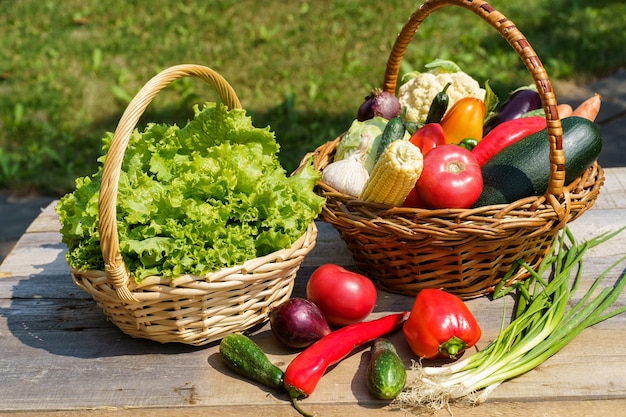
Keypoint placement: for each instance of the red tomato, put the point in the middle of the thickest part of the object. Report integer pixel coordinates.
(343, 296)
(451, 178)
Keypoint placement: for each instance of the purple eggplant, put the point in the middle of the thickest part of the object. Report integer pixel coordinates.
(519, 102)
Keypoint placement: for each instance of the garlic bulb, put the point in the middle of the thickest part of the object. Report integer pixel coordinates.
(348, 175)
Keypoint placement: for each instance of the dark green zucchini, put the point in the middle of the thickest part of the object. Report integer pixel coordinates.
(394, 130)
(247, 359)
(386, 374)
(522, 169)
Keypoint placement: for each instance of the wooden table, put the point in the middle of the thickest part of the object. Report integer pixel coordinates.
(59, 356)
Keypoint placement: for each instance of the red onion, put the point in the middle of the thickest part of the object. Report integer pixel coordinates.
(298, 323)
(379, 103)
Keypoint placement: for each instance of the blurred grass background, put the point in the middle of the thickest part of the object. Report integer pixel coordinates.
(69, 68)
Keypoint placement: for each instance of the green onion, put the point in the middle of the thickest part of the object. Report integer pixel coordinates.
(541, 326)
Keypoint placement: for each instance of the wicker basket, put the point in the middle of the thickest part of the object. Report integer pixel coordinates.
(466, 252)
(191, 309)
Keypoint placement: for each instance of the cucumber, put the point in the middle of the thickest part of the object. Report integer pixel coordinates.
(394, 130)
(386, 374)
(522, 169)
(247, 359)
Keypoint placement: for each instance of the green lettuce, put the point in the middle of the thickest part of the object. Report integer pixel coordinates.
(195, 199)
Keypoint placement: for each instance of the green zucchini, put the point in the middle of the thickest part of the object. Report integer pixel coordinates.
(386, 374)
(247, 359)
(522, 169)
(394, 130)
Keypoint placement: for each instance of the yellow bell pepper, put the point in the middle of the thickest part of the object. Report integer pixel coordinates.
(464, 120)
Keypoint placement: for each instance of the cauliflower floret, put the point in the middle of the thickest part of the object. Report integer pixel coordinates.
(418, 93)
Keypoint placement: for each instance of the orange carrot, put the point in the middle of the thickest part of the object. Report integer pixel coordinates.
(565, 110)
(589, 108)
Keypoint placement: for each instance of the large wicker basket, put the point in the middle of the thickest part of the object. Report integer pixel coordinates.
(466, 252)
(191, 309)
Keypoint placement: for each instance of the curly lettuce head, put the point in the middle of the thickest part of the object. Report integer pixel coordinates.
(195, 199)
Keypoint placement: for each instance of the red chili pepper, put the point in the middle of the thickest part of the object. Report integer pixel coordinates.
(505, 134)
(306, 369)
(440, 325)
(428, 136)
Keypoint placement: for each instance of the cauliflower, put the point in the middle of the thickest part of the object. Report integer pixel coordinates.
(417, 94)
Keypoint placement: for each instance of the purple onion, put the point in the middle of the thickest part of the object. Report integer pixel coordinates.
(379, 103)
(298, 323)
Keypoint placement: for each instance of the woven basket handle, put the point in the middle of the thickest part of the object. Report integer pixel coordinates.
(523, 48)
(116, 271)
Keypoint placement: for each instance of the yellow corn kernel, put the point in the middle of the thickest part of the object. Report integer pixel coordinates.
(394, 174)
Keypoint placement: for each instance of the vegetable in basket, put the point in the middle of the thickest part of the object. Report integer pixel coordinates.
(394, 174)
(428, 136)
(379, 103)
(464, 120)
(418, 93)
(195, 199)
(362, 136)
(519, 102)
(450, 178)
(522, 169)
(440, 325)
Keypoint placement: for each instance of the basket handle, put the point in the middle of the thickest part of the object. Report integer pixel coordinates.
(116, 271)
(523, 48)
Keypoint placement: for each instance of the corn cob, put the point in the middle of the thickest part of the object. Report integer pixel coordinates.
(394, 174)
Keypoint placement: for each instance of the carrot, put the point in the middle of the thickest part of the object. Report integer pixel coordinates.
(565, 110)
(589, 108)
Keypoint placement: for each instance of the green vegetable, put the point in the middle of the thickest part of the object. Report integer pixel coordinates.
(522, 169)
(393, 131)
(438, 107)
(546, 319)
(246, 358)
(386, 374)
(195, 199)
(369, 131)
(468, 143)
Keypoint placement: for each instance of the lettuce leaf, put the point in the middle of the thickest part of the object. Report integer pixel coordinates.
(195, 199)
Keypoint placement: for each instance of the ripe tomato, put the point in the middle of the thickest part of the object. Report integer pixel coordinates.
(451, 178)
(343, 296)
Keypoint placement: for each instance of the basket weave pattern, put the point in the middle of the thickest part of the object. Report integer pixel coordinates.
(464, 251)
(191, 309)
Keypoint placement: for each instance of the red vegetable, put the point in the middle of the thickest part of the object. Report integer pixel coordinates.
(298, 323)
(343, 296)
(305, 371)
(413, 199)
(505, 134)
(428, 136)
(440, 325)
(451, 178)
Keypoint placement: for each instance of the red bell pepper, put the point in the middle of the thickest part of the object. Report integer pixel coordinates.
(464, 120)
(440, 325)
(427, 137)
(505, 134)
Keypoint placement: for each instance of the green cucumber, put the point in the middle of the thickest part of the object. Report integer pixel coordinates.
(522, 169)
(438, 107)
(394, 130)
(247, 359)
(386, 374)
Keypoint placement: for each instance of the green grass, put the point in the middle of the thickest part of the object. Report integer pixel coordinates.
(68, 68)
